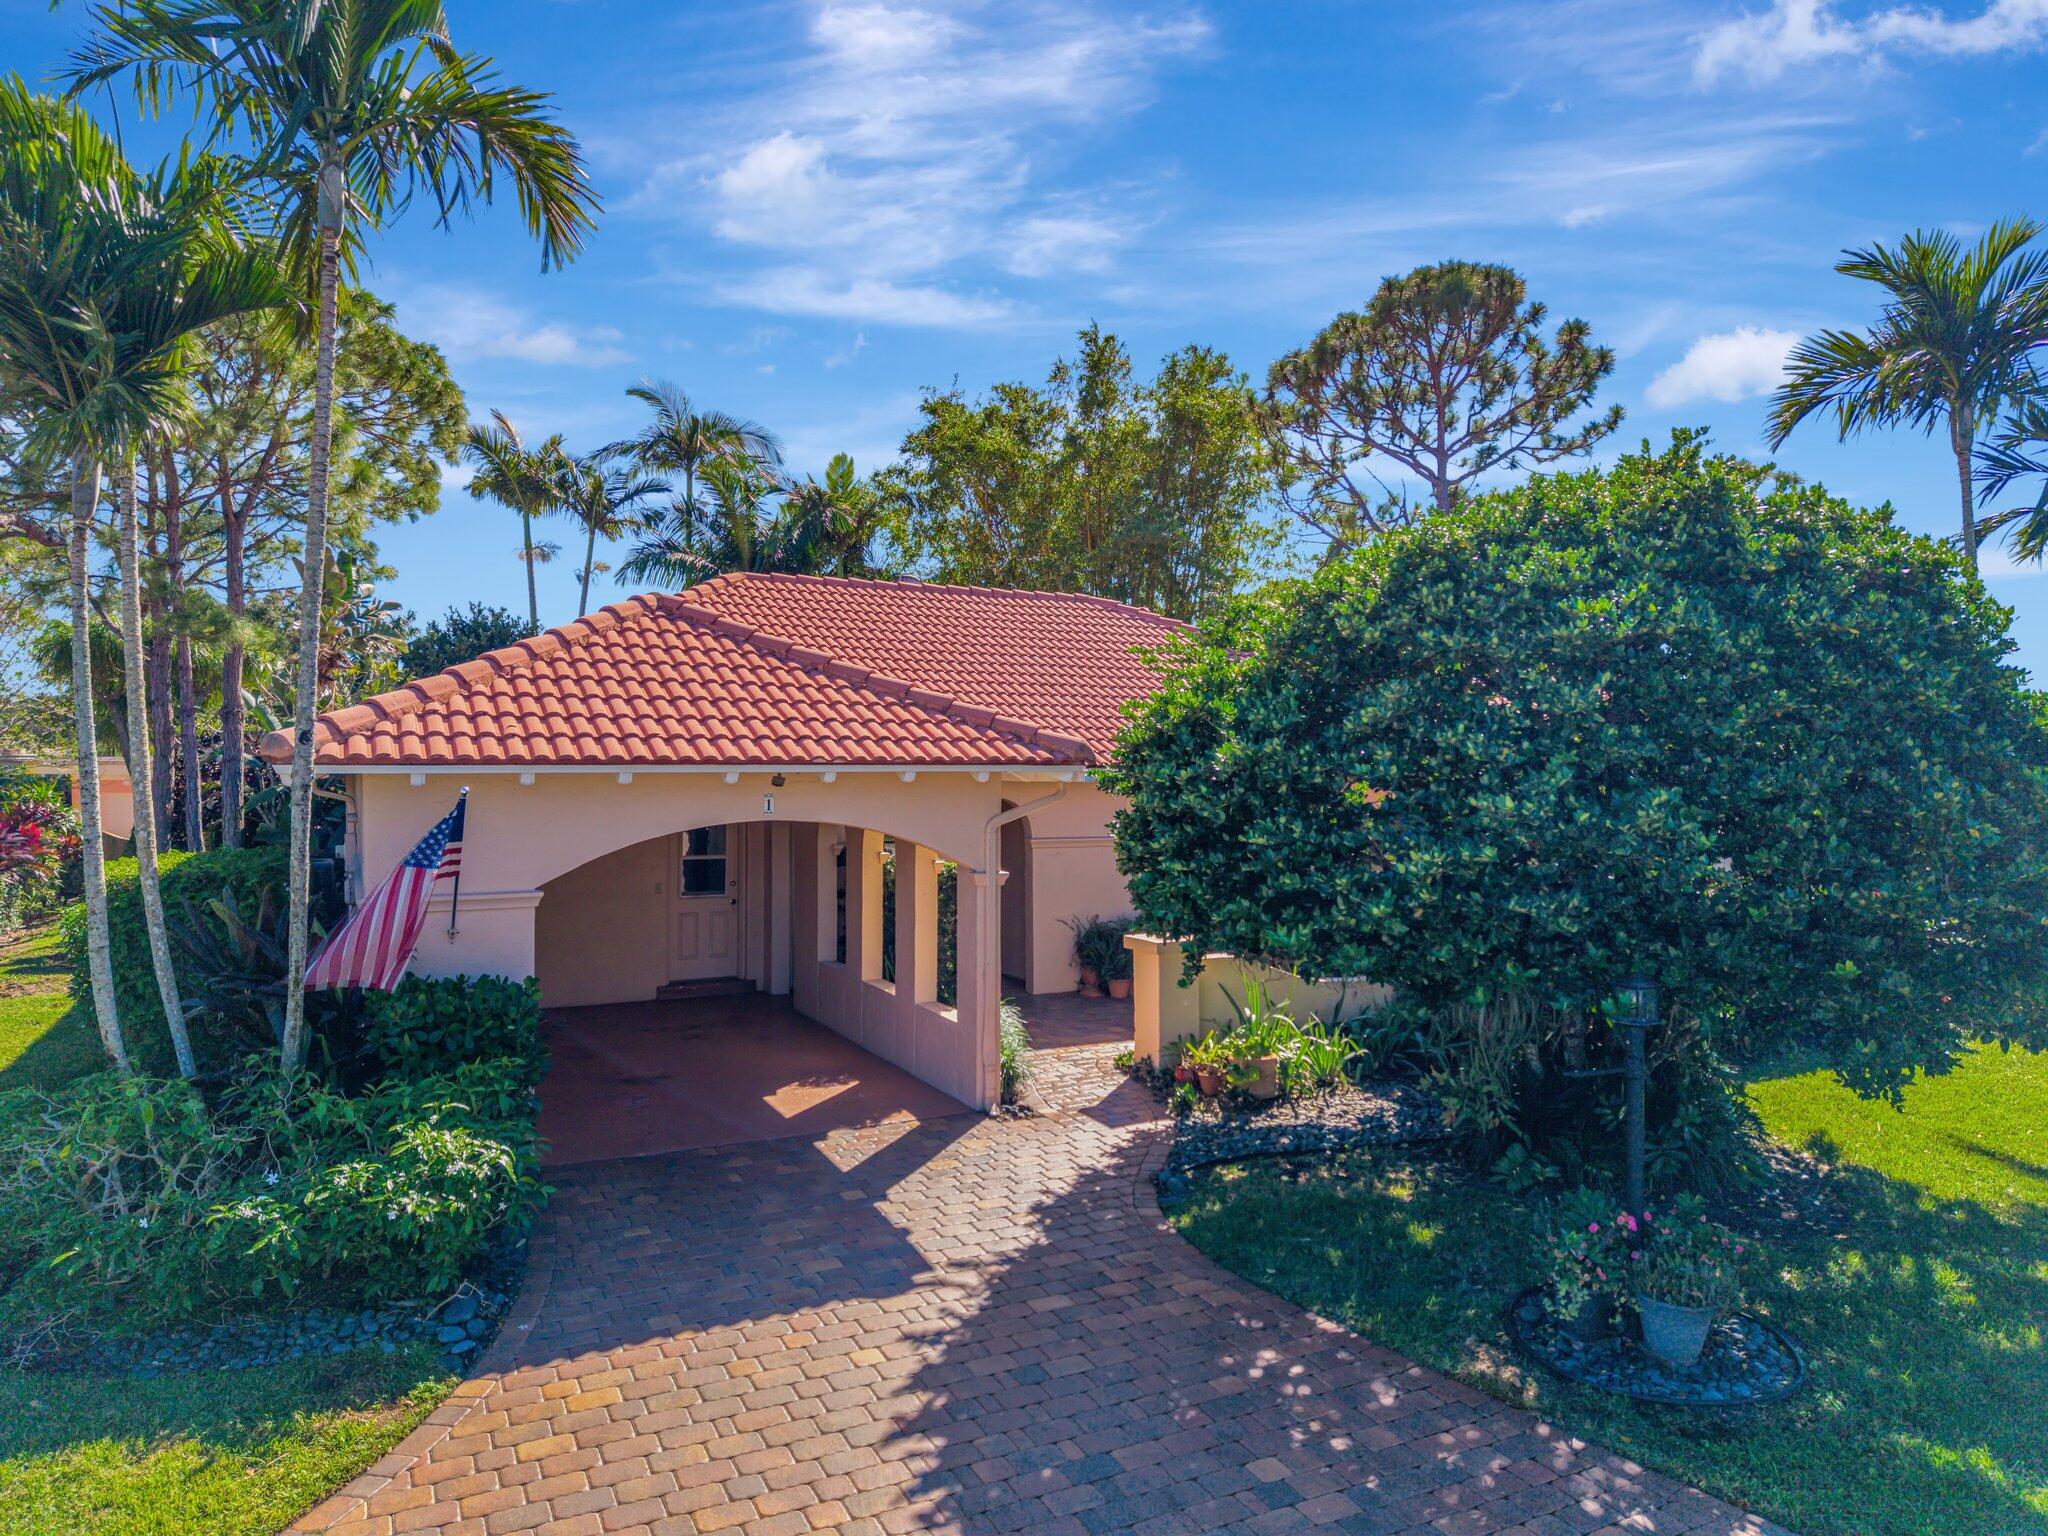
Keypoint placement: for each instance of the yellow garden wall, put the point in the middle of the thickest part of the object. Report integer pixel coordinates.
(1165, 1013)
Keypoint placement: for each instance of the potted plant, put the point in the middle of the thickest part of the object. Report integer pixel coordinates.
(1113, 964)
(1684, 1272)
(1265, 1035)
(1205, 1063)
(1585, 1256)
(1098, 944)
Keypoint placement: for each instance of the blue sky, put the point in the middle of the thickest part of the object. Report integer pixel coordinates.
(816, 209)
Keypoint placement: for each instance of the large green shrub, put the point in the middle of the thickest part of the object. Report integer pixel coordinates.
(224, 911)
(429, 1026)
(1672, 717)
(126, 1202)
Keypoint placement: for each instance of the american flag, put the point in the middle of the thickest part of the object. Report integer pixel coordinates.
(373, 948)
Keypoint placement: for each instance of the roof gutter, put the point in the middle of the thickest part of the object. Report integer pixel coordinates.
(988, 969)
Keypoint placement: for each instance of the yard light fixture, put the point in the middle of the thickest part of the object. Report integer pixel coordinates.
(1637, 1014)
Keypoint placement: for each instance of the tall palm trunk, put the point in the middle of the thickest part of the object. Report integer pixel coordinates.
(138, 746)
(231, 709)
(85, 495)
(532, 591)
(333, 204)
(1962, 433)
(589, 555)
(184, 704)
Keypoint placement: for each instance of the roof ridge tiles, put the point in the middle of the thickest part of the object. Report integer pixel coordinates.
(873, 583)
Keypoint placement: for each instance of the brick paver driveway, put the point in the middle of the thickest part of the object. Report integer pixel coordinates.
(963, 1325)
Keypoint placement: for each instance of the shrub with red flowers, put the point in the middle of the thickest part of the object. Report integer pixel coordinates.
(1584, 1250)
(38, 836)
(1682, 1258)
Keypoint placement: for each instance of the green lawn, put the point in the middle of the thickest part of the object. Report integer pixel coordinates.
(1921, 1310)
(216, 1453)
(43, 1042)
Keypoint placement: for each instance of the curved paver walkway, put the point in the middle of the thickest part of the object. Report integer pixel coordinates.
(965, 1325)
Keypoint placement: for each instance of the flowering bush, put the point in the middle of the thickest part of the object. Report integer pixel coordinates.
(1584, 1249)
(38, 837)
(1682, 1258)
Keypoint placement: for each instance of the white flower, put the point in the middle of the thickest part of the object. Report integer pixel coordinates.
(142, 1222)
(270, 1178)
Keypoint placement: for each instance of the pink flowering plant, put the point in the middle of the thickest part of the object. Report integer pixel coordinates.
(1682, 1258)
(1585, 1256)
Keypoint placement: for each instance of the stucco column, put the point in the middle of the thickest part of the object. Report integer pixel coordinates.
(978, 984)
(1163, 1012)
(864, 903)
(917, 923)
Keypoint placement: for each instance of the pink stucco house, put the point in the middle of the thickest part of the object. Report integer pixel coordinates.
(694, 790)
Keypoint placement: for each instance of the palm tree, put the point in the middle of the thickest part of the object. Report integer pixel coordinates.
(682, 440)
(732, 530)
(528, 480)
(105, 279)
(2019, 452)
(352, 107)
(603, 496)
(1955, 344)
(829, 524)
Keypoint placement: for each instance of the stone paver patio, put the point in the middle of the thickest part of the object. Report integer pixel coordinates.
(960, 1325)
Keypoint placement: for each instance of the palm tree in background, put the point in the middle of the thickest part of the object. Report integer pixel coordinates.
(106, 278)
(350, 109)
(528, 480)
(729, 529)
(831, 522)
(2019, 452)
(603, 494)
(684, 441)
(1956, 345)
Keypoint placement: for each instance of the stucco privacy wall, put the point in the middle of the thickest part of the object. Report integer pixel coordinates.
(1165, 1013)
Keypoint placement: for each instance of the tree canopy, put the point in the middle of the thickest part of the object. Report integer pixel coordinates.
(1444, 376)
(1156, 492)
(1672, 717)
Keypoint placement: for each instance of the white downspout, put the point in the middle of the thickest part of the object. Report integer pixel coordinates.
(988, 964)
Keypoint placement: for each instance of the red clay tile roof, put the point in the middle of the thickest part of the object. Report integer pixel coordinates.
(777, 671)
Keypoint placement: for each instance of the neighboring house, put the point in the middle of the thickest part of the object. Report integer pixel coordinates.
(117, 794)
(682, 789)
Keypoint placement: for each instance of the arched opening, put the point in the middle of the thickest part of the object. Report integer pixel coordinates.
(754, 979)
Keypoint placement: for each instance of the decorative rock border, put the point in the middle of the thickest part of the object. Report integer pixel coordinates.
(1383, 1114)
(462, 1324)
(1746, 1364)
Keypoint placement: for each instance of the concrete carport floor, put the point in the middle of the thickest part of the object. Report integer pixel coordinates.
(633, 1079)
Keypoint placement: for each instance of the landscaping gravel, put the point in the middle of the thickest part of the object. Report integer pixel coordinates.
(1746, 1362)
(462, 1324)
(1379, 1114)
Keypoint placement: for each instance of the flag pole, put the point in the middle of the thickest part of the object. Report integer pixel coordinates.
(455, 896)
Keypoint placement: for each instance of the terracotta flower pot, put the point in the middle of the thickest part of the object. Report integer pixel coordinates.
(1183, 1073)
(1120, 987)
(1672, 1333)
(1211, 1080)
(1090, 978)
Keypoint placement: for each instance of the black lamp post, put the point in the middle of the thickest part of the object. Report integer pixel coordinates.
(1638, 998)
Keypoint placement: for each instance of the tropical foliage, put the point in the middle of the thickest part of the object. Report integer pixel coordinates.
(1670, 717)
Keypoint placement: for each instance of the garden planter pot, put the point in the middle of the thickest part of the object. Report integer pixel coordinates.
(1674, 1334)
(1119, 988)
(1266, 1084)
(1092, 992)
(1210, 1080)
(1090, 979)
(1183, 1074)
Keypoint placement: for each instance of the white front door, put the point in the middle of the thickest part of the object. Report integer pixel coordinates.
(706, 923)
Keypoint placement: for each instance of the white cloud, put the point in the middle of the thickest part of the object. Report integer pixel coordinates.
(900, 147)
(467, 322)
(849, 352)
(1764, 44)
(807, 291)
(1732, 365)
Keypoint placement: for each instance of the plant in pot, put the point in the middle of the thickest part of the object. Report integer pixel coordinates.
(1265, 1037)
(1114, 962)
(1206, 1063)
(1585, 1256)
(1098, 942)
(1685, 1274)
